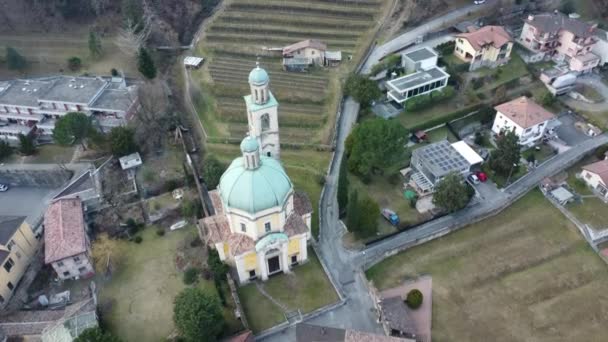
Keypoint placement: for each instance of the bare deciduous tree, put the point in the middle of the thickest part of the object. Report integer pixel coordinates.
(99, 6)
(154, 117)
(131, 37)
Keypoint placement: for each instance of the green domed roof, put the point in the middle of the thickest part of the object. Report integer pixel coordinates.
(249, 144)
(254, 190)
(258, 76)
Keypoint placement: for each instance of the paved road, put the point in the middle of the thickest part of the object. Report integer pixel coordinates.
(408, 37)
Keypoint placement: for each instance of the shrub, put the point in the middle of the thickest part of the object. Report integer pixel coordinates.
(5, 150)
(414, 299)
(446, 48)
(190, 276)
(114, 72)
(600, 151)
(74, 63)
(531, 158)
(478, 138)
(160, 232)
(477, 83)
(394, 178)
(138, 239)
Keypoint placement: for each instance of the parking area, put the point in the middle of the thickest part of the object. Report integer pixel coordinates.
(25, 201)
(568, 132)
(386, 110)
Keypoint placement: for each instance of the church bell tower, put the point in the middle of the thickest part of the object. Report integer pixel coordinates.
(262, 113)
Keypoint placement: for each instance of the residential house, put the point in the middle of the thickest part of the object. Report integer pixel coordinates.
(433, 162)
(31, 106)
(314, 333)
(561, 38)
(301, 55)
(527, 119)
(67, 246)
(601, 46)
(18, 245)
(596, 176)
(261, 224)
(311, 50)
(420, 59)
(559, 80)
(489, 46)
(419, 83)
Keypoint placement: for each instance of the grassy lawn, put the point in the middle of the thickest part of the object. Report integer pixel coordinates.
(442, 110)
(545, 152)
(516, 68)
(157, 168)
(51, 154)
(306, 289)
(576, 184)
(137, 302)
(510, 276)
(441, 133)
(592, 211)
(305, 168)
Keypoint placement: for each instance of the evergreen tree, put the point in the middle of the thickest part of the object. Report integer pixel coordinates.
(5, 150)
(451, 193)
(212, 171)
(145, 64)
(122, 141)
(73, 127)
(198, 315)
(343, 185)
(14, 60)
(132, 13)
(95, 45)
(26, 145)
(369, 212)
(362, 89)
(507, 153)
(96, 335)
(352, 211)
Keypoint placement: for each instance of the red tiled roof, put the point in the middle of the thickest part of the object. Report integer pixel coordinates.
(295, 225)
(524, 112)
(240, 243)
(600, 168)
(308, 43)
(64, 232)
(495, 35)
(301, 203)
(216, 201)
(247, 336)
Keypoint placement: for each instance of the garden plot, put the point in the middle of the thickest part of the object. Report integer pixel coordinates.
(307, 101)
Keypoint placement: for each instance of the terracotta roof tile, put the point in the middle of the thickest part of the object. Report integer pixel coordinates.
(301, 203)
(295, 225)
(600, 168)
(524, 112)
(64, 231)
(216, 201)
(495, 35)
(216, 228)
(247, 336)
(311, 43)
(240, 243)
(554, 22)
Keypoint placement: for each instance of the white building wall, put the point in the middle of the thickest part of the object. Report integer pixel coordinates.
(592, 179)
(601, 49)
(69, 268)
(528, 136)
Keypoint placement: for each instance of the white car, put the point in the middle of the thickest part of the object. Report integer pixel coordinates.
(479, 2)
(3, 187)
(474, 179)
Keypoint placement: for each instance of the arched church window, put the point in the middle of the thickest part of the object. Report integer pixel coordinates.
(257, 98)
(265, 122)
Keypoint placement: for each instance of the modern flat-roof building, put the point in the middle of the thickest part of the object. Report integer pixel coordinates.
(420, 59)
(418, 83)
(35, 104)
(433, 162)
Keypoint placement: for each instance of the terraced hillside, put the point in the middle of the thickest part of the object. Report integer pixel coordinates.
(308, 101)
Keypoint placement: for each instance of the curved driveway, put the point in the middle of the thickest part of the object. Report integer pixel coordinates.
(595, 82)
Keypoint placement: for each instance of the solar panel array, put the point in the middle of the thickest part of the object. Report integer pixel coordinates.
(442, 158)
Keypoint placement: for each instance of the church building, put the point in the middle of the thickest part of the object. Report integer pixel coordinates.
(261, 225)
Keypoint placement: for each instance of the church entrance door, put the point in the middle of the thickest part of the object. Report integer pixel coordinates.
(274, 265)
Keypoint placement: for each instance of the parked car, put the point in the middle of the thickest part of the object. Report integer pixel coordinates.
(390, 216)
(473, 179)
(479, 2)
(482, 176)
(3, 187)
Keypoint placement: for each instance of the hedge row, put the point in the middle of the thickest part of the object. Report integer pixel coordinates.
(446, 118)
(428, 100)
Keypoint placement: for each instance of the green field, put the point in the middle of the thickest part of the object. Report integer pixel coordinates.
(307, 101)
(523, 275)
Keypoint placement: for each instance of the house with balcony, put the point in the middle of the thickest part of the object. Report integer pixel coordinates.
(18, 246)
(595, 175)
(489, 46)
(66, 244)
(31, 106)
(524, 117)
(562, 38)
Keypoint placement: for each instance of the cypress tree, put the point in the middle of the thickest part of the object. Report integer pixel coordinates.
(145, 64)
(94, 45)
(14, 60)
(343, 186)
